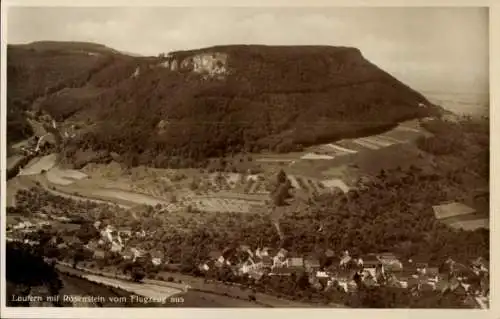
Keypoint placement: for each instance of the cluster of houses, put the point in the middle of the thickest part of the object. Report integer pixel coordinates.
(348, 272)
(325, 271)
(116, 241)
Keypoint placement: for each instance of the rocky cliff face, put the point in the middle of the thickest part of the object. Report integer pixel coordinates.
(212, 65)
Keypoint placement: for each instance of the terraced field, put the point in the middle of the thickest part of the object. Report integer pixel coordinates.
(400, 134)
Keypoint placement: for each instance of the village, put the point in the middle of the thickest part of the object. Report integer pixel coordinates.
(325, 271)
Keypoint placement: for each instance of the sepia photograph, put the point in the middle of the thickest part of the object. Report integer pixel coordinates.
(246, 157)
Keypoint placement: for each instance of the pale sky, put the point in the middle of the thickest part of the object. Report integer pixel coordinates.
(427, 48)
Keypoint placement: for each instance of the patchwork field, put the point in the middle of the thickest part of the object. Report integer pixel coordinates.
(317, 170)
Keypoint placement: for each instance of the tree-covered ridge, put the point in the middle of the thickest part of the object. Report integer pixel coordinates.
(273, 98)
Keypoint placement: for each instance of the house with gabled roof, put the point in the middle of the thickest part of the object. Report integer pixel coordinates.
(370, 261)
(99, 254)
(157, 257)
(128, 254)
(390, 261)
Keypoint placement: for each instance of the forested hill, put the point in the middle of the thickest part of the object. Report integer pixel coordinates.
(185, 107)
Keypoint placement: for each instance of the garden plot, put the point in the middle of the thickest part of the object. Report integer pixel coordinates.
(36, 166)
(255, 187)
(307, 184)
(336, 183)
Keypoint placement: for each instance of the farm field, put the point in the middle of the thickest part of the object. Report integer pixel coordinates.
(317, 170)
(60, 176)
(38, 165)
(471, 224)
